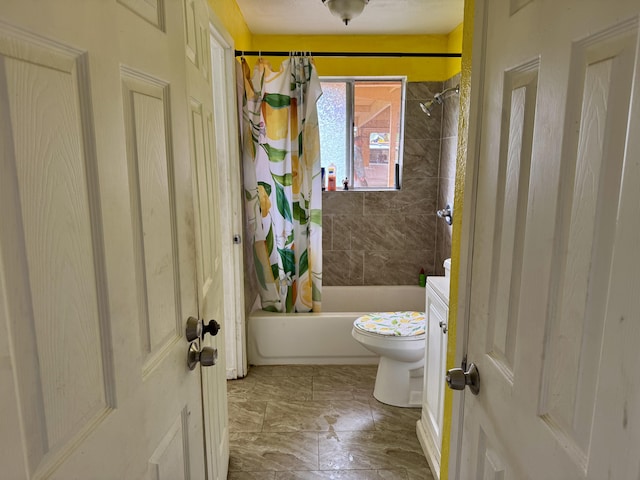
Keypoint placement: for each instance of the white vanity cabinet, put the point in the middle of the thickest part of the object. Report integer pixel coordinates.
(429, 427)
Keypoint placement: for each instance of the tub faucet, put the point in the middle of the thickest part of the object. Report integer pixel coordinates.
(446, 213)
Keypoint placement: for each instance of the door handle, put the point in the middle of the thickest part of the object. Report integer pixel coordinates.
(443, 326)
(197, 329)
(458, 379)
(212, 328)
(207, 356)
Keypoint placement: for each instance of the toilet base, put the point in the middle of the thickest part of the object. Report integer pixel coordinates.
(399, 383)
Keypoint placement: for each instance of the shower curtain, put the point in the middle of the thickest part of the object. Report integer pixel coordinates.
(283, 194)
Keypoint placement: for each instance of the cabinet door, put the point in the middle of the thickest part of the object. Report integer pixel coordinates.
(435, 363)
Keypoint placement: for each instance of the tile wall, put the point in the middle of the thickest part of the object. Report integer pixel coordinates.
(446, 177)
(385, 238)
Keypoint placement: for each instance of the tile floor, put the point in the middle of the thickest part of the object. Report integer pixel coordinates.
(319, 422)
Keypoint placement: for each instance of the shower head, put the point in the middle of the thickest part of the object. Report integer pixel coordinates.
(438, 98)
(426, 107)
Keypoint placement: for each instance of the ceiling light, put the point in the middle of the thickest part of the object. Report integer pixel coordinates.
(346, 9)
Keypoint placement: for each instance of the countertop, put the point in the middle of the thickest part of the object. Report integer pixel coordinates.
(441, 286)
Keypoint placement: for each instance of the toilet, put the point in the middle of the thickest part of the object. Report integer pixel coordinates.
(399, 339)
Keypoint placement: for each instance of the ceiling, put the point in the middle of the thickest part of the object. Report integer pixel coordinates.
(380, 17)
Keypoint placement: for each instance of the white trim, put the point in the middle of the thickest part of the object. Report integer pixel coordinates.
(468, 226)
(228, 151)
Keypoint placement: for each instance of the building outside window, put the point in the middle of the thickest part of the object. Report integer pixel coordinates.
(361, 121)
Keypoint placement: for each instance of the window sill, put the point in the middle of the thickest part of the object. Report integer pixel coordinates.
(361, 190)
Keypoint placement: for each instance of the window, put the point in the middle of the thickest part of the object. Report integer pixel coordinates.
(361, 123)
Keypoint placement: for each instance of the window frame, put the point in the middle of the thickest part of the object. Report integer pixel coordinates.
(350, 81)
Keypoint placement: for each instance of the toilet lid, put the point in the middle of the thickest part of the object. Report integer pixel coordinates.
(399, 324)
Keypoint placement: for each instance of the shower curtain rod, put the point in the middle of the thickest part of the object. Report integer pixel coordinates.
(264, 53)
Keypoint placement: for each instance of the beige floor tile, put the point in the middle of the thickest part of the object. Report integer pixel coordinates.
(317, 422)
(420, 474)
(343, 383)
(282, 388)
(318, 416)
(270, 475)
(253, 452)
(371, 450)
(387, 417)
(344, 475)
(239, 390)
(246, 416)
(283, 371)
(356, 375)
(326, 395)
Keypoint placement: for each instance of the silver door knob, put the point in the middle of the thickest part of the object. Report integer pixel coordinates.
(207, 356)
(193, 330)
(197, 329)
(458, 379)
(443, 326)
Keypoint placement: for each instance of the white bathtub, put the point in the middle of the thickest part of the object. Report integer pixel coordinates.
(325, 338)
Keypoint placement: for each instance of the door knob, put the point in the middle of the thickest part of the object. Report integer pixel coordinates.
(207, 356)
(443, 326)
(193, 329)
(197, 329)
(457, 379)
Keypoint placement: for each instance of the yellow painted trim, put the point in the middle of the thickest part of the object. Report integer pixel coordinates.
(461, 160)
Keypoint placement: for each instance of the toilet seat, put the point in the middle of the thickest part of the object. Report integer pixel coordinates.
(393, 324)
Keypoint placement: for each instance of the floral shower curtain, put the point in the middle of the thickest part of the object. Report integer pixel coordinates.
(281, 163)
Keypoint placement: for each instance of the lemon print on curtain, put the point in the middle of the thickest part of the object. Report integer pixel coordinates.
(283, 193)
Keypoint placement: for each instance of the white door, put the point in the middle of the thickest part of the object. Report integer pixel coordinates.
(211, 283)
(97, 250)
(554, 313)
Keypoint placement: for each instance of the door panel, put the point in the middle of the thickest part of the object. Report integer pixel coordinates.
(56, 259)
(150, 10)
(593, 159)
(512, 195)
(555, 164)
(97, 249)
(151, 175)
(168, 460)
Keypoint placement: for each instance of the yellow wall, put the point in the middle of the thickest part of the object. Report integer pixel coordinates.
(416, 69)
(231, 17)
(461, 165)
(454, 45)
